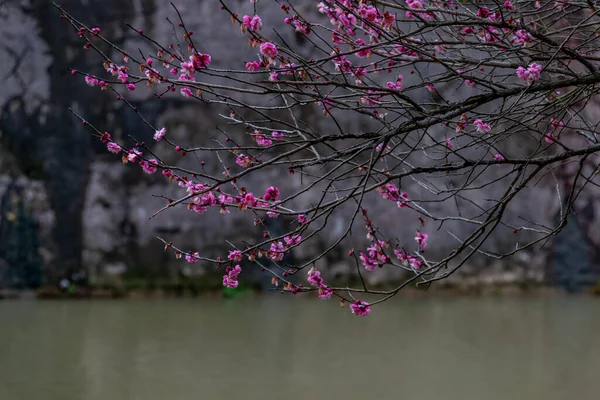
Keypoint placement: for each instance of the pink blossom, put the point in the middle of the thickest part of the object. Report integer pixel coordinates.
(302, 219)
(482, 127)
(200, 60)
(130, 87)
(448, 144)
(230, 279)
(499, 157)
(243, 160)
(245, 201)
(325, 292)
(133, 155)
(509, 5)
(276, 251)
(91, 80)
(158, 135)
(262, 141)
(192, 257)
(362, 52)
(293, 240)
(113, 147)
(421, 239)
(531, 73)
(314, 277)
(235, 255)
(396, 85)
(271, 194)
(522, 37)
(122, 75)
(404, 200)
(252, 66)
(186, 92)
(251, 23)
(370, 263)
(149, 166)
(268, 49)
(549, 137)
(277, 135)
(414, 4)
(361, 308)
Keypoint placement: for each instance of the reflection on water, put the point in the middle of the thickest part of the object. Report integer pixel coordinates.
(284, 348)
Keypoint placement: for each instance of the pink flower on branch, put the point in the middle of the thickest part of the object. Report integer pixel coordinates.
(531, 73)
(481, 126)
(361, 308)
(158, 135)
(230, 279)
(113, 147)
(268, 50)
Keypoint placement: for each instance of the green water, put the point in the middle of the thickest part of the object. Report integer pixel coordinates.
(284, 348)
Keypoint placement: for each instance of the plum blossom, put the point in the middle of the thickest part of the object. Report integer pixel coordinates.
(523, 38)
(325, 292)
(421, 239)
(113, 147)
(158, 135)
(192, 257)
(302, 219)
(268, 49)
(133, 155)
(531, 73)
(389, 191)
(186, 92)
(361, 308)
(276, 251)
(482, 127)
(91, 81)
(395, 85)
(149, 166)
(263, 141)
(252, 66)
(408, 259)
(314, 277)
(245, 201)
(235, 255)
(293, 240)
(243, 160)
(271, 194)
(277, 135)
(230, 279)
(549, 137)
(251, 23)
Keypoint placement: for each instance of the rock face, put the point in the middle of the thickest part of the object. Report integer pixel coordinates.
(93, 213)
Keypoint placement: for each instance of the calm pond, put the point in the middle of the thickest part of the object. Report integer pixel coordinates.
(283, 348)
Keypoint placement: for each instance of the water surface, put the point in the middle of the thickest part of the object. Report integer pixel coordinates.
(284, 348)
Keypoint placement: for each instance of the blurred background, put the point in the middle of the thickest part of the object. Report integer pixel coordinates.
(74, 223)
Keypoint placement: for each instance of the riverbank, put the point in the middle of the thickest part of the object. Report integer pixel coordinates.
(186, 291)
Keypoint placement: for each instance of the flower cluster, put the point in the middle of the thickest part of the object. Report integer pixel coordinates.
(531, 73)
(314, 278)
(230, 279)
